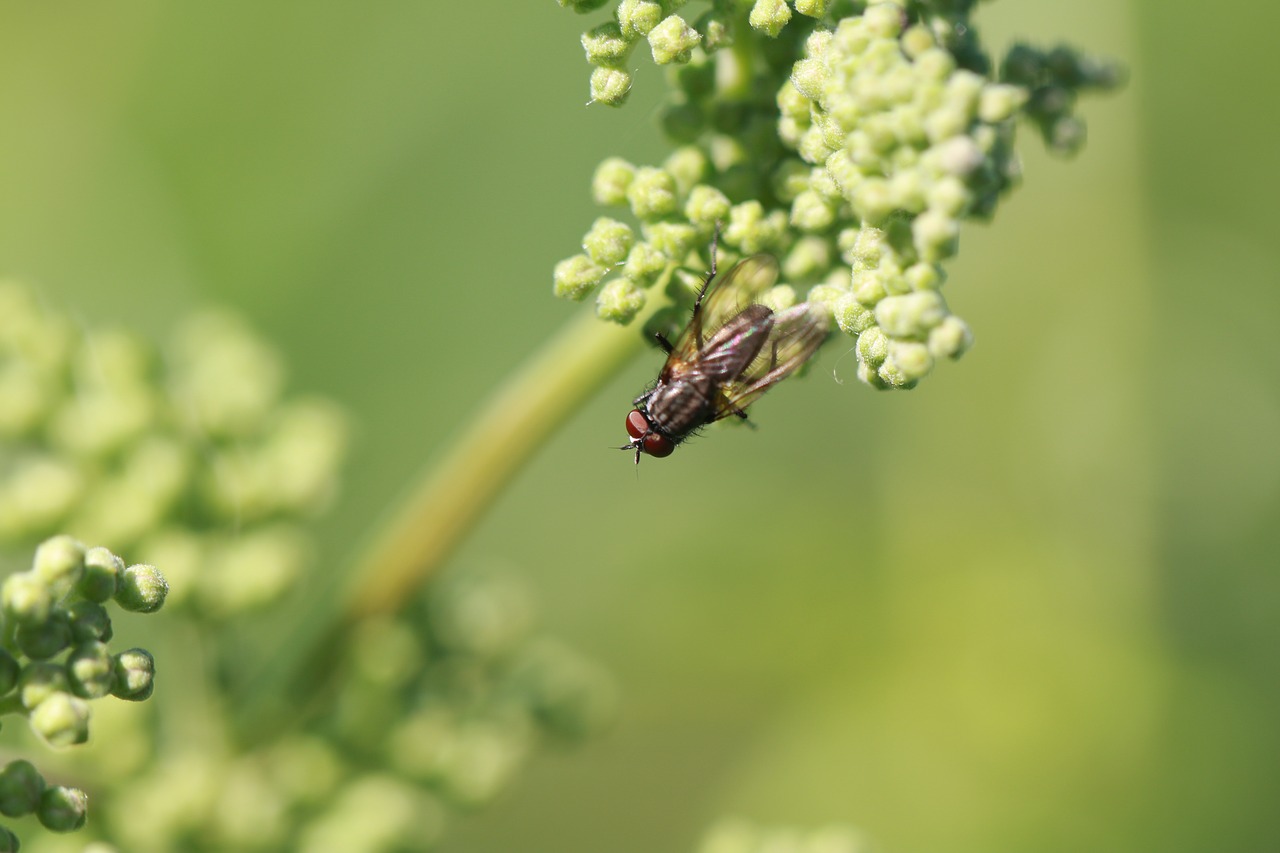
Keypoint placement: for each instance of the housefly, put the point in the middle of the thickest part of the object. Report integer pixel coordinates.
(733, 350)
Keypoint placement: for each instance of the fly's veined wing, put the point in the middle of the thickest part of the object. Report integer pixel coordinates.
(725, 298)
(796, 334)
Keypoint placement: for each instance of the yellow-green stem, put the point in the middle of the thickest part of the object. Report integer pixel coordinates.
(507, 431)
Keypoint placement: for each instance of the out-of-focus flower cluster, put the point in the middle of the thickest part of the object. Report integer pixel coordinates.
(739, 836)
(190, 457)
(851, 141)
(55, 658)
(434, 713)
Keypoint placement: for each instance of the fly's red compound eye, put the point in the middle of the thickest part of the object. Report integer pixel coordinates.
(652, 443)
(657, 445)
(637, 423)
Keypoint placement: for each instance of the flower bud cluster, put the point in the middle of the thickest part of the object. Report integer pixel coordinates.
(439, 709)
(56, 658)
(671, 40)
(852, 149)
(678, 206)
(740, 836)
(163, 454)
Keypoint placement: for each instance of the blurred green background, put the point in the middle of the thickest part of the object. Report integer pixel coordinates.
(1030, 606)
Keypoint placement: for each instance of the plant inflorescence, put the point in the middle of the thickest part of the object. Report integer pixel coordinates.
(850, 139)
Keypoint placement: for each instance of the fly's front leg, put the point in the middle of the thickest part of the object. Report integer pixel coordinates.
(663, 342)
(696, 321)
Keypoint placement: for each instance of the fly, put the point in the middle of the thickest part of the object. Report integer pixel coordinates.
(733, 350)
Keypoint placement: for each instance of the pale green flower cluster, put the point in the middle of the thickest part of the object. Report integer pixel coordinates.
(434, 714)
(740, 836)
(55, 658)
(850, 139)
(163, 454)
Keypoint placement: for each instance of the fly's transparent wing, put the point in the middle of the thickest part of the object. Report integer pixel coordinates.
(796, 334)
(725, 298)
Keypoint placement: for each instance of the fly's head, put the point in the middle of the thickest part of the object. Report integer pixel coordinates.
(644, 437)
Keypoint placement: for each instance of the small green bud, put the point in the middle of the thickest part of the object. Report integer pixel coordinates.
(950, 338)
(937, 236)
(61, 720)
(43, 641)
(10, 672)
(59, 564)
(608, 241)
(948, 195)
(792, 103)
(751, 230)
(945, 123)
(715, 30)
(935, 64)
(812, 213)
(91, 671)
(63, 809)
(884, 20)
(652, 194)
(89, 622)
(644, 264)
(911, 359)
(610, 86)
(606, 46)
(39, 681)
(135, 673)
(26, 599)
(8, 841)
(582, 6)
(873, 201)
(813, 8)
(958, 156)
(809, 77)
(142, 589)
(102, 571)
(891, 375)
(916, 40)
(924, 276)
(1065, 135)
(872, 346)
(706, 206)
(852, 316)
(870, 285)
(809, 258)
(575, 277)
(673, 239)
(778, 298)
(769, 16)
(672, 40)
(610, 181)
(619, 301)
(826, 296)
(20, 788)
(911, 315)
(688, 165)
(813, 145)
(1001, 102)
(792, 177)
(638, 17)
